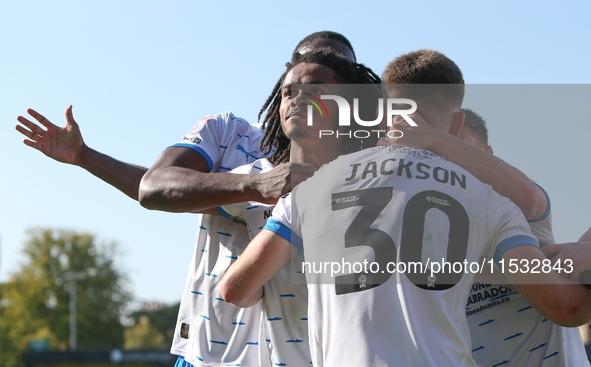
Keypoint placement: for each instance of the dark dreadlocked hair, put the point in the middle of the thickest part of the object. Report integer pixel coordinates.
(324, 35)
(275, 97)
(347, 72)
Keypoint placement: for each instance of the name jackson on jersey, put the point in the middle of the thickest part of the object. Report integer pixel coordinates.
(406, 168)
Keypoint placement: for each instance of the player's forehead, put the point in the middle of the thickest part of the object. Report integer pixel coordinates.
(310, 73)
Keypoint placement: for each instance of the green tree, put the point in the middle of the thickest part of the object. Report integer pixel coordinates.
(36, 299)
(143, 335)
(163, 319)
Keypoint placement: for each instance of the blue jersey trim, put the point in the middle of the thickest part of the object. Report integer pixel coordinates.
(512, 242)
(180, 362)
(547, 209)
(198, 150)
(222, 212)
(285, 232)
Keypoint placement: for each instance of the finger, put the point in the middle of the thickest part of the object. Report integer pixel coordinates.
(27, 133)
(417, 117)
(39, 117)
(585, 277)
(33, 145)
(552, 250)
(388, 141)
(32, 126)
(309, 168)
(70, 116)
(383, 142)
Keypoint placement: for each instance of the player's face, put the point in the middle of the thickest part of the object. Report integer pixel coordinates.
(305, 83)
(330, 44)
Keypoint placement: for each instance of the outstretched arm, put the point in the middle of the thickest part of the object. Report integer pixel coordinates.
(65, 144)
(265, 256)
(504, 178)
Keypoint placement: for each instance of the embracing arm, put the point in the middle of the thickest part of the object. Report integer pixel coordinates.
(65, 144)
(559, 300)
(586, 237)
(265, 256)
(179, 182)
(504, 178)
(575, 256)
(579, 253)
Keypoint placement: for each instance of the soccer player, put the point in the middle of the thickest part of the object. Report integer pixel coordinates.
(285, 295)
(535, 340)
(188, 177)
(377, 206)
(503, 326)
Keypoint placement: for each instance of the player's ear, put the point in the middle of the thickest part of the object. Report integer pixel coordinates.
(488, 148)
(457, 122)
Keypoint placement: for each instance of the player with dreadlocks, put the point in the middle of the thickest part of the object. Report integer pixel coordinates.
(191, 176)
(274, 138)
(312, 73)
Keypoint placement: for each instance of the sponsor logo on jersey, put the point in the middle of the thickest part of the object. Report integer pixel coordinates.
(239, 220)
(185, 331)
(194, 139)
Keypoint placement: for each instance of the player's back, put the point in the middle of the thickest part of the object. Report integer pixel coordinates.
(380, 220)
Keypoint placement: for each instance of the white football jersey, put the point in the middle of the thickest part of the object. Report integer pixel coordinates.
(283, 338)
(507, 331)
(374, 224)
(209, 331)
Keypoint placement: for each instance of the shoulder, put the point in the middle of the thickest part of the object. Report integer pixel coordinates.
(259, 166)
(223, 121)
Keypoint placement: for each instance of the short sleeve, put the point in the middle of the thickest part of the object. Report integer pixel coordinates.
(281, 223)
(510, 228)
(215, 136)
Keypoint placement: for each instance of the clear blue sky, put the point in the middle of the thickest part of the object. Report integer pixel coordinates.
(140, 74)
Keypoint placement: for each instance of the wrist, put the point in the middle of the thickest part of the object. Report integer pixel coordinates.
(82, 155)
(250, 187)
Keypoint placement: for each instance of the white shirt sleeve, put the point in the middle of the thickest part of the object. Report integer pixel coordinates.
(212, 135)
(510, 228)
(281, 222)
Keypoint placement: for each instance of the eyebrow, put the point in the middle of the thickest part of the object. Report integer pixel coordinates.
(312, 82)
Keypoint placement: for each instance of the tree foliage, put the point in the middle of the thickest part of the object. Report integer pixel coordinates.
(36, 299)
(143, 335)
(162, 320)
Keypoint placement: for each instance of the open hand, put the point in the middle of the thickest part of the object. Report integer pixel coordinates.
(60, 143)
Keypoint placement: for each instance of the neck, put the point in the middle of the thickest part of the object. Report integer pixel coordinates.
(315, 151)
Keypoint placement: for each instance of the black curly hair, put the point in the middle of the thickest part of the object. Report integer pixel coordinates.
(347, 72)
